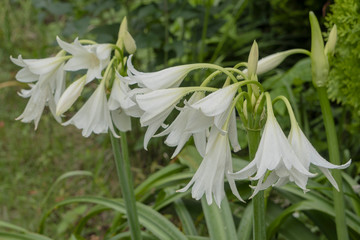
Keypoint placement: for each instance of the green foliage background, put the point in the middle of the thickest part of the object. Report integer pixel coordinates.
(167, 33)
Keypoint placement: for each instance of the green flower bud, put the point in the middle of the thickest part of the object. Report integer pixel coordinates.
(253, 59)
(330, 45)
(319, 60)
(125, 39)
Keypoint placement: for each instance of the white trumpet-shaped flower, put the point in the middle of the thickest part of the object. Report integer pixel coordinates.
(189, 122)
(157, 106)
(307, 154)
(94, 57)
(217, 102)
(166, 78)
(94, 115)
(48, 75)
(121, 105)
(209, 177)
(274, 154)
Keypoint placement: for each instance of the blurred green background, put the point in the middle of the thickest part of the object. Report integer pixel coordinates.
(167, 33)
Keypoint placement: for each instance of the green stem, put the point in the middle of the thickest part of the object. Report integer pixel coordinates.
(126, 184)
(259, 229)
(334, 154)
(203, 34)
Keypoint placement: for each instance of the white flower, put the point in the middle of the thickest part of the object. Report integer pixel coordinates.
(166, 78)
(94, 116)
(274, 154)
(307, 154)
(70, 95)
(157, 106)
(40, 93)
(121, 105)
(189, 122)
(209, 178)
(94, 58)
(272, 61)
(217, 102)
(48, 74)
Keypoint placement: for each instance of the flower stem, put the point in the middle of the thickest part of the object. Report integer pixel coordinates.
(333, 146)
(259, 227)
(125, 178)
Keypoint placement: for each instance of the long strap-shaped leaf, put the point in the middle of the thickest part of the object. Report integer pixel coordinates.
(311, 202)
(24, 233)
(219, 221)
(22, 236)
(149, 218)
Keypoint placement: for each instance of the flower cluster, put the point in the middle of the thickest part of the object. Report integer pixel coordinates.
(209, 115)
(47, 81)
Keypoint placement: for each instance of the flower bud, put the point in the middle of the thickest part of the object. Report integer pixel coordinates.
(253, 59)
(330, 45)
(129, 43)
(125, 39)
(70, 95)
(319, 60)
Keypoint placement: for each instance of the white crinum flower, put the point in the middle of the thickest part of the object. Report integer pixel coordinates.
(217, 102)
(94, 57)
(166, 78)
(189, 122)
(307, 154)
(274, 154)
(94, 115)
(121, 105)
(48, 75)
(209, 177)
(157, 106)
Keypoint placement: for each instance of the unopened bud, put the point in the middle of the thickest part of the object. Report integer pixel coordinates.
(253, 60)
(245, 110)
(129, 43)
(125, 39)
(319, 60)
(330, 45)
(70, 95)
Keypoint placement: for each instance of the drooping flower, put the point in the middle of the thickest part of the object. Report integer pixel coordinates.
(307, 154)
(121, 105)
(217, 102)
(48, 77)
(94, 57)
(166, 78)
(94, 115)
(157, 106)
(209, 177)
(274, 154)
(189, 122)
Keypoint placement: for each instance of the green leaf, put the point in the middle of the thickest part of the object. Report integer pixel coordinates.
(152, 181)
(91, 213)
(185, 218)
(12, 226)
(22, 236)
(149, 218)
(190, 157)
(25, 234)
(314, 201)
(246, 224)
(63, 177)
(291, 228)
(219, 221)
